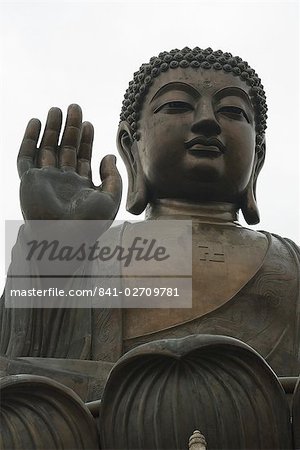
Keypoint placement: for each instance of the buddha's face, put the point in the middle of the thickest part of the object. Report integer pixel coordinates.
(197, 136)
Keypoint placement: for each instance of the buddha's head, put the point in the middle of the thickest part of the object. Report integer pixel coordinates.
(192, 128)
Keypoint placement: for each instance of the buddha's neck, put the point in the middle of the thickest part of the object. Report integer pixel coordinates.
(210, 212)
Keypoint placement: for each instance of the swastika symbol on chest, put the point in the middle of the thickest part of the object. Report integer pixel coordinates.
(211, 252)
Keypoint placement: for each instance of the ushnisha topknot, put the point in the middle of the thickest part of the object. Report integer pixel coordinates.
(195, 58)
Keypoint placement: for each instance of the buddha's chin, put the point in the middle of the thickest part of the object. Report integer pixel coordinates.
(205, 171)
(202, 192)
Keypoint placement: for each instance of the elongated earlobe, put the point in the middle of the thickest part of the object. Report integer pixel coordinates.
(137, 196)
(249, 205)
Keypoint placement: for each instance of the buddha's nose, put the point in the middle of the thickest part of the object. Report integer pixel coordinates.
(205, 121)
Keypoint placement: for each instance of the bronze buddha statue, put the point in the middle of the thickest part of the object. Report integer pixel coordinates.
(204, 117)
(192, 136)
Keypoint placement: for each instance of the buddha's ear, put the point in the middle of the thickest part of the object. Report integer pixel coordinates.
(249, 205)
(137, 196)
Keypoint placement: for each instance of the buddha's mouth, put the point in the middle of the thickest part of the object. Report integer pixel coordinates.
(201, 146)
(205, 151)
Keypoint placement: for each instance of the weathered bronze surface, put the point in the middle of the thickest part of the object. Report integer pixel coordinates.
(296, 415)
(39, 413)
(192, 138)
(86, 378)
(175, 386)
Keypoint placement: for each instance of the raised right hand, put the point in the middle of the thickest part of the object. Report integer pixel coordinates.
(56, 180)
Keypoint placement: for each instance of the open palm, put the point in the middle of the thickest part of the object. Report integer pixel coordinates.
(56, 180)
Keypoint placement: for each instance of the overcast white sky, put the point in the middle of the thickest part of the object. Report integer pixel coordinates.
(56, 53)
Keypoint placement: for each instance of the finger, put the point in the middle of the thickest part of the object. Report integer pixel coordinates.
(47, 154)
(85, 150)
(111, 179)
(27, 153)
(71, 138)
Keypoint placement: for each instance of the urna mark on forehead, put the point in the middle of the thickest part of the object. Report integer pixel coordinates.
(198, 83)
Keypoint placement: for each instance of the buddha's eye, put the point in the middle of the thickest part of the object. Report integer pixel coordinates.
(234, 112)
(175, 107)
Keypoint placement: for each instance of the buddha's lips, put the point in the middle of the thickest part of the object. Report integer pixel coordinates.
(202, 144)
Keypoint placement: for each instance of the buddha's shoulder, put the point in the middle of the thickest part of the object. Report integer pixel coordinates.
(282, 258)
(281, 243)
(273, 239)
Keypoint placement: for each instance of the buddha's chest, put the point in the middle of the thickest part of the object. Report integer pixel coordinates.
(223, 261)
